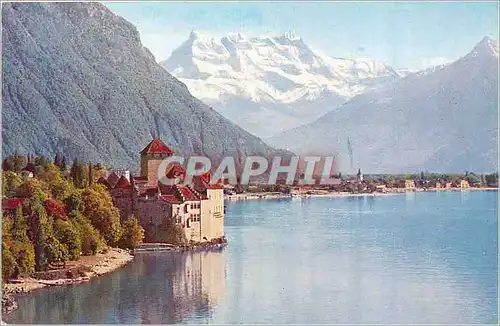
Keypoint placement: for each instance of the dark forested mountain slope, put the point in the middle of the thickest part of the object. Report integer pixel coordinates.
(77, 80)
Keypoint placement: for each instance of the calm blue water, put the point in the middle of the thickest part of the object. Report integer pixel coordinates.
(416, 258)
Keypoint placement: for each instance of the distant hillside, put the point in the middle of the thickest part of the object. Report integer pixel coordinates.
(442, 119)
(77, 80)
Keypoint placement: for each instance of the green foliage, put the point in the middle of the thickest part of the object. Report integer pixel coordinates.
(39, 228)
(74, 202)
(473, 179)
(59, 187)
(8, 264)
(19, 229)
(91, 174)
(91, 241)
(24, 254)
(55, 252)
(33, 188)
(11, 182)
(42, 161)
(78, 174)
(492, 179)
(33, 239)
(69, 236)
(99, 209)
(133, 233)
(170, 232)
(15, 243)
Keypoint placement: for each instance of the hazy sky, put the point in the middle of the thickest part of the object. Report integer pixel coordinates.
(411, 35)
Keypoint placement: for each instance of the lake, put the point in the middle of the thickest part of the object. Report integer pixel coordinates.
(407, 258)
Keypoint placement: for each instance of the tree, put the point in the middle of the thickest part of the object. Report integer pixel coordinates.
(492, 179)
(99, 209)
(8, 261)
(8, 164)
(33, 188)
(170, 232)
(69, 236)
(91, 241)
(63, 164)
(19, 245)
(473, 179)
(74, 202)
(55, 252)
(57, 160)
(24, 254)
(38, 228)
(133, 233)
(43, 161)
(8, 264)
(19, 229)
(91, 175)
(77, 174)
(59, 187)
(11, 182)
(20, 162)
(99, 171)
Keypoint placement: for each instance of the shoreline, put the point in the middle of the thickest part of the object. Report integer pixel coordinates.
(213, 245)
(99, 264)
(340, 194)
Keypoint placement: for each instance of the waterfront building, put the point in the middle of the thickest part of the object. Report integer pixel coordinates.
(464, 184)
(197, 208)
(409, 185)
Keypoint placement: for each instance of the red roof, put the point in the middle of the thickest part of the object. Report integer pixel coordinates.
(175, 170)
(172, 199)
(104, 182)
(145, 179)
(113, 179)
(12, 203)
(123, 183)
(150, 191)
(156, 146)
(188, 193)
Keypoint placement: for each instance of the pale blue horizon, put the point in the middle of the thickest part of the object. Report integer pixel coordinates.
(405, 35)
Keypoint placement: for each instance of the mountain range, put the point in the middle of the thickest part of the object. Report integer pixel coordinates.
(271, 84)
(77, 80)
(441, 119)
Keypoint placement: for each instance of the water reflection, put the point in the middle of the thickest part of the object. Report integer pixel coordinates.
(318, 260)
(156, 288)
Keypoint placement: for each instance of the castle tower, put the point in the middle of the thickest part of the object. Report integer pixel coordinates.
(151, 157)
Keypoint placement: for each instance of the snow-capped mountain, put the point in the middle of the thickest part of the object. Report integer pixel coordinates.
(271, 84)
(443, 119)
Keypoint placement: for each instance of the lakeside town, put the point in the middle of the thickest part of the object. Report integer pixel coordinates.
(376, 184)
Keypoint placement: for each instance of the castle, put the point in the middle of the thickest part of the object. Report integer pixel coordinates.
(198, 208)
